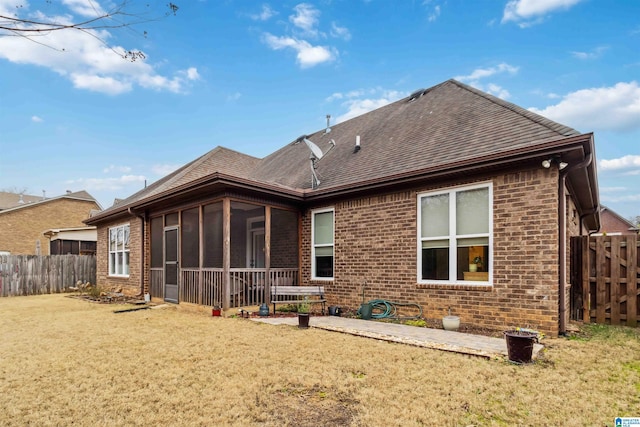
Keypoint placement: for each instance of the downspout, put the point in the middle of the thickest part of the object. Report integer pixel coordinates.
(562, 241)
(586, 214)
(142, 220)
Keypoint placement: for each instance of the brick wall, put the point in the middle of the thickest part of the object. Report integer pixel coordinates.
(376, 241)
(610, 223)
(20, 229)
(128, 285)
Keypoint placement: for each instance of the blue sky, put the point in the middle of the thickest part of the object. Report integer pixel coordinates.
(253, 76)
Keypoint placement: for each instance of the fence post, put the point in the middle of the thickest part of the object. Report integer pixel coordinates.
(632, 281)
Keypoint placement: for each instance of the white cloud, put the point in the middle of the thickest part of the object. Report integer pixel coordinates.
(95, 83)
(621, 199)
(623, 163)
(36, 119)
(305, 18)
(357, 106)
(612, 189)
(234, 96)
(607, 108)
(265, 14)
(191, 73)
(481, 73)
(435, 13)
(498, 91)
(340, 32)
(85, 8)
(83, 57)
(307, 54)
(531, 12)
(476, 75)
(112, 168)
(107, 183)
(594, 54)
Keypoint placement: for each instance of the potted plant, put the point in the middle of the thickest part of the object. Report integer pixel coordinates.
(303, 314)
(478, 262)
(216, 310)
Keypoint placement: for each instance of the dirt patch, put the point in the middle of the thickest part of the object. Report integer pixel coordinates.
(309, 406)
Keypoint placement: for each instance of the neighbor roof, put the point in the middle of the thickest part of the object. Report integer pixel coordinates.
(10, 202)
(442, 128)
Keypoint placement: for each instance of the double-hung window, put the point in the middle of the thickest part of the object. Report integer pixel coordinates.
(455, 235)
(322, 244)
(119, 251)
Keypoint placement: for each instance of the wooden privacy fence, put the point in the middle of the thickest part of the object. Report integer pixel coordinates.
(33, 274)
(606, 278)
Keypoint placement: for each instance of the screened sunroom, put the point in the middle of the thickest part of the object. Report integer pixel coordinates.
(224, 253)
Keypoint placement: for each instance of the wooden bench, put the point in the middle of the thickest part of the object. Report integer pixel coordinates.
(297, 295)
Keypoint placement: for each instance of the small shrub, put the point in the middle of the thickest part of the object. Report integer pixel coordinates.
(417, 322)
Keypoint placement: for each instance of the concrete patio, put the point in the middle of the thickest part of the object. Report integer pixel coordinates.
(439, 339)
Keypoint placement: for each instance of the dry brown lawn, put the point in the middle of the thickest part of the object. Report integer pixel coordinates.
(65, 361)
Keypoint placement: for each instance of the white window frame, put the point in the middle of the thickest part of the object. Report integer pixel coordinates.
(453, 261)
(125, 251)
(314, 246)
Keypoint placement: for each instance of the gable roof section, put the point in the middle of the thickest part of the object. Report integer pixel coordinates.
(32, 201)
(449, 127)
(220, 160)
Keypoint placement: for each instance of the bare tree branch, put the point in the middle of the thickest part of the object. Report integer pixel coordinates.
(116, 18)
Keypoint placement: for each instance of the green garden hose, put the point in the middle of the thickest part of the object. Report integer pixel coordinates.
(383, 309)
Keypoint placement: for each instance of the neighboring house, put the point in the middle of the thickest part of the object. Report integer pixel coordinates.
(74, 240)
(449, 198)
(24, 220)
(614, 224)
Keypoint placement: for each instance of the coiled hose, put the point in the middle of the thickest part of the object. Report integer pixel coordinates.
(388, 310)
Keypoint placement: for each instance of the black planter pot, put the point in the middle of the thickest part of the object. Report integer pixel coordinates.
(303, 320)
(520, 345)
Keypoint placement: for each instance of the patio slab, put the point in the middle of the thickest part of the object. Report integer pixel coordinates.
(439, 339)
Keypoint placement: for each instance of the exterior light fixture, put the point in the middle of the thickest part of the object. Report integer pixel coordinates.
(546, 163)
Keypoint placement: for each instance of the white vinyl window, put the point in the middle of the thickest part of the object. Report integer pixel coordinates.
(455, 235)
(322, 244)
(119, 251)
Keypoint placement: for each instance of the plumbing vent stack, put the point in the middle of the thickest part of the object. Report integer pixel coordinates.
(355, 150)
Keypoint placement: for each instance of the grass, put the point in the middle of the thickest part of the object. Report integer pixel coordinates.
(66, 361)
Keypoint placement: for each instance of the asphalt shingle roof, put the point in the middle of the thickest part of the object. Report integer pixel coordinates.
(448, 123)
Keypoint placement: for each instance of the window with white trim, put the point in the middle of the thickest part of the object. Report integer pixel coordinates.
(322, 244)
(455, 235)
(119, 251)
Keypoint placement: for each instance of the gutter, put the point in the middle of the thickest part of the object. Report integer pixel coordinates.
(562, 241)
(142, 220)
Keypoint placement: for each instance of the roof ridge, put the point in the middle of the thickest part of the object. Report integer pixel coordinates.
(530, 115)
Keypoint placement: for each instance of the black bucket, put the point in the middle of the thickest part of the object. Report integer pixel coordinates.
(334, 310)
(520, 345)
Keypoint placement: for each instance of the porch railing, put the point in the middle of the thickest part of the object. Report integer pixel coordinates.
(206, 286)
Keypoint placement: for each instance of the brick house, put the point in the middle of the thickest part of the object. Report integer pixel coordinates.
(25, 219)
(614, 224)
(449, 198)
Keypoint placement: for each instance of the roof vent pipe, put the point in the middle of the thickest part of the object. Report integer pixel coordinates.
(328, 129)
(357, 148)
